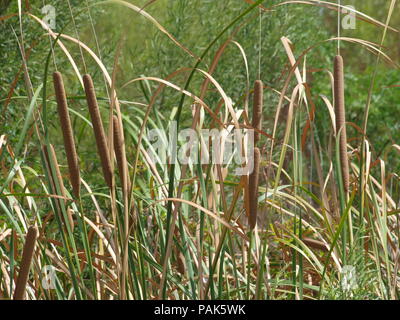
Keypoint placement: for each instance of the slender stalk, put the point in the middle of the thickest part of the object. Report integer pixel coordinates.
(257, 109)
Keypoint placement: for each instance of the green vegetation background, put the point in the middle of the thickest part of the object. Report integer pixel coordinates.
(195, 23)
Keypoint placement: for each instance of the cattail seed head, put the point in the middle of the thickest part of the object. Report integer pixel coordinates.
(340, 114)
(27, 255)
(253, 189)
(119, 148)
(98, 128)
(257, 109)
(69, 143)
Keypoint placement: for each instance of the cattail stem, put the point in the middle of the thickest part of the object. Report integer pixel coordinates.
(69, 144)
(257, 109)
(340, 113)
(253, 189)
(98, 128)
(27, 255)
(52, 158)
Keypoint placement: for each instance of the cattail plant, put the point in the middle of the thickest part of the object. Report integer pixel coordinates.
(52, 158)
(257, 109)
(69, 144)
(27, 255)
(341, 119)
(253, 189)
(119, 154)
(98, 128)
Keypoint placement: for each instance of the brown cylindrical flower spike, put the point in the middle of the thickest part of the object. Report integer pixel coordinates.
(98, 128)
(27, 255)
(119, 154)
(257, 109)
(69, 144)
(253, 189)
(340, 113)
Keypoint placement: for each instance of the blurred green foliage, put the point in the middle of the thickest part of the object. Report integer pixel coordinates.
(195, 23)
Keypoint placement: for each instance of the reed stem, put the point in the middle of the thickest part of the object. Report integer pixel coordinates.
(257, 109)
